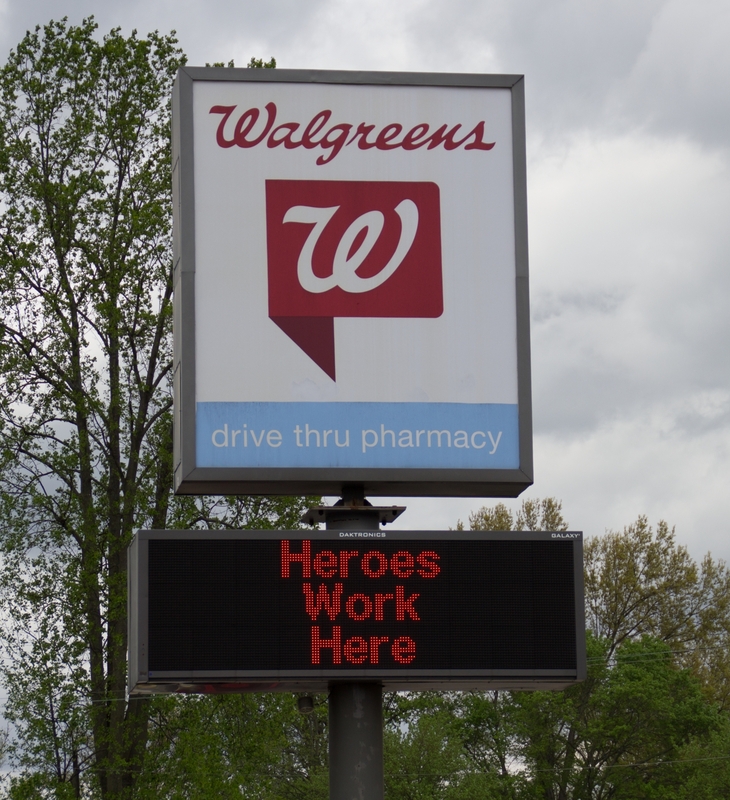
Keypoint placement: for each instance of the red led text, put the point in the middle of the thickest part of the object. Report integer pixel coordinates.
(358, 649)
(373, 564)
(376, 600)
(360, 607)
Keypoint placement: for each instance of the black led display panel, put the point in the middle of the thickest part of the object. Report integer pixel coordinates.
(297, 608)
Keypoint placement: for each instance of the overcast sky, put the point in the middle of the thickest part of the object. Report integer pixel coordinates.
(628, 118)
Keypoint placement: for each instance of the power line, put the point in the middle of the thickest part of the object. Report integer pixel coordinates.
(565, 769)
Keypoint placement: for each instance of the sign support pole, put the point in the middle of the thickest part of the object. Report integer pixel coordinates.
(355, 709)
(356, 741)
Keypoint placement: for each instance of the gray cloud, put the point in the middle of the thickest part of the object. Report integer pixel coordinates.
(206, 31)
(680, 81)
(613, 65)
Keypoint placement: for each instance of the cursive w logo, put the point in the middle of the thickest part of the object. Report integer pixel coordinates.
(350, 249)
(346, 261)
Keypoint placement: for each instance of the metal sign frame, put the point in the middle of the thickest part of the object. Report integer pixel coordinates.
(141, 680)
(189, 477)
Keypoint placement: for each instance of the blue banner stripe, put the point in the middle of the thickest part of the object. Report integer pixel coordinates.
(413, 435)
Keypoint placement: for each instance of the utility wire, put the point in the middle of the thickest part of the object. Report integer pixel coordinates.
(564, 769)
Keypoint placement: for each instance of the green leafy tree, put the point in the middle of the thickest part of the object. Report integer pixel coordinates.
(259, 63)
(229, 746)
(85, 393)
(658, 626)
(423, 757)
(487, 725)
(85, 297)
(703, 770)
(544, 514)
(451, 745)
(617, 735)
(302, 772)
(641, 582)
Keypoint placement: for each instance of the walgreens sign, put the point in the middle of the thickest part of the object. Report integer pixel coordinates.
(355, 257)
(320, 134)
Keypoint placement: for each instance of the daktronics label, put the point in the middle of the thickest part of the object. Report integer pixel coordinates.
(350, 249)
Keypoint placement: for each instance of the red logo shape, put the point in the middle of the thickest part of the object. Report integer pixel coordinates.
(350, 249)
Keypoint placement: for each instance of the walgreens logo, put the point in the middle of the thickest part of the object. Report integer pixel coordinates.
(350, 249)
(253, 127)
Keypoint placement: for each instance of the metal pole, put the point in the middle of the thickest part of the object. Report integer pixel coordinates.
(356, 741)
(355, 709)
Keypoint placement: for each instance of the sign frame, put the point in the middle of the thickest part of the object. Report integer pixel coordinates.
(209, 681)
(189, 478)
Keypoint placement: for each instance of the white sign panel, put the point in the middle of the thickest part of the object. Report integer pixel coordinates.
(351, 283)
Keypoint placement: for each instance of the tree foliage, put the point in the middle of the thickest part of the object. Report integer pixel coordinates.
(619, 733)
(544, 514)
(640, 582)
(651, 719)
(85, 301)
(85, 394)
(259, 63)
(224, 746)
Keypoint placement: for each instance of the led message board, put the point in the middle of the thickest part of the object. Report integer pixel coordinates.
(286, 610)
(350, 283)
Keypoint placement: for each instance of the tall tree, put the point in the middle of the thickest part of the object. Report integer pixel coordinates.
(639, 581)
(85, 394)
(85, 302)
(229, 746)
(620, 733)
(639, 726)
